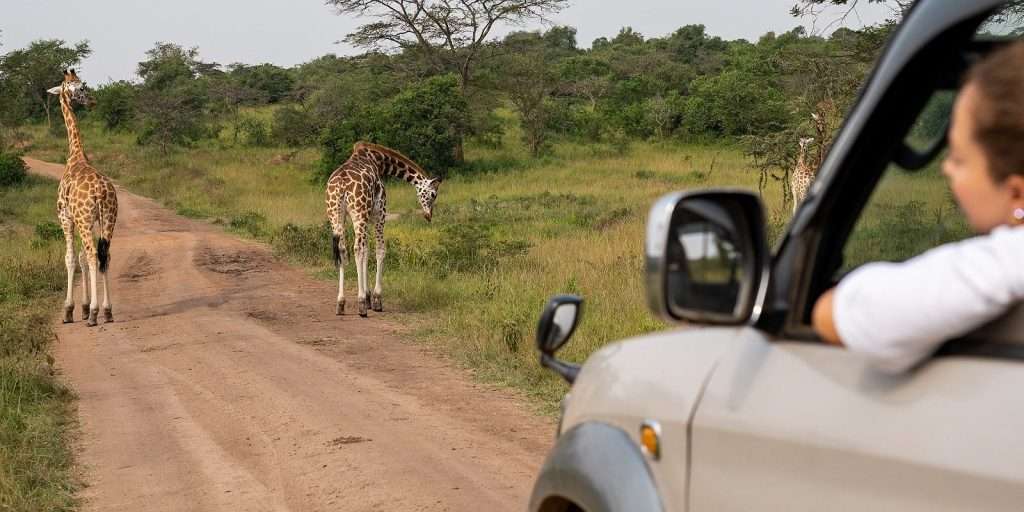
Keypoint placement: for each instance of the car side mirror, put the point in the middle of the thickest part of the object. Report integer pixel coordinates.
(706, 256)
(557, 323)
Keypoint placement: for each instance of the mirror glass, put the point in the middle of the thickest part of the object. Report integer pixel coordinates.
(705, 262)
(564, 319)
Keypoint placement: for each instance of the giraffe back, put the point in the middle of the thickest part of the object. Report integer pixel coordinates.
(87, 196)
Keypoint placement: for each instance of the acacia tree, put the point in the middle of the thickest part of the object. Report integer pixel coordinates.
(450, 36)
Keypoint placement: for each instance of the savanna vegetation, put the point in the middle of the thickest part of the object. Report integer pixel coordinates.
(35, 409)
(552, 153)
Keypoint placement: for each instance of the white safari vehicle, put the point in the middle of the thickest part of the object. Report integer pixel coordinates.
(746, 409)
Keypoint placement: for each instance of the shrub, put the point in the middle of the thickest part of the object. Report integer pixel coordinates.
(254, 131)
(49, 230)
(250, 223)
(293, 126)
(115, 104)
(12, 169)
(310, 244)
(424, 122)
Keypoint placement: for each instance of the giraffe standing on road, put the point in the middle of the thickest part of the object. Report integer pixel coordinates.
(85, 198)
(802, 175)
(356, 190)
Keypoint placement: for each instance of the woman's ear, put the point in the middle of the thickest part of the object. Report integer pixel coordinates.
(1015, 186)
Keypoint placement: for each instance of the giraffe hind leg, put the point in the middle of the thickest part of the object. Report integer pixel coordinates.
(376, 299)
(339, 248)
(84, 268)
(69, 264)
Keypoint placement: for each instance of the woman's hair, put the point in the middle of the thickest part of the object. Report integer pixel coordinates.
(999, 118)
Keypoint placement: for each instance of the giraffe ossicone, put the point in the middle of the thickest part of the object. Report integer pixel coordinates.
(355, 190)
(85, 199)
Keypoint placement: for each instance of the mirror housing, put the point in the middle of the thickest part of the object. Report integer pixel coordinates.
(707, 257)
(557, 323)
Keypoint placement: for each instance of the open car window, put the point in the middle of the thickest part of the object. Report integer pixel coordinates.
(912, 209)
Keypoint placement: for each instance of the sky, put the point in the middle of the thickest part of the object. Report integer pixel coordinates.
(289, 32)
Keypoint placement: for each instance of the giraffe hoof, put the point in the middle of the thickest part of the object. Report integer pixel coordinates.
(362, 308)
(108, 315)
(69, 314)
(340, 309)
(376, 303)
(85, 310)
(92, 318)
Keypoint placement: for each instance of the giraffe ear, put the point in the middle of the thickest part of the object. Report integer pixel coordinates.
(54, 90)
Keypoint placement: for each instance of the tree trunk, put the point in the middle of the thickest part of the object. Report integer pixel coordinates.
(47, 106)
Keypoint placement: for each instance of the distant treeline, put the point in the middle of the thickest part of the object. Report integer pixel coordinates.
(688, 85)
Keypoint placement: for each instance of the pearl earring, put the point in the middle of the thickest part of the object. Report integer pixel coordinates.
(1018, 215)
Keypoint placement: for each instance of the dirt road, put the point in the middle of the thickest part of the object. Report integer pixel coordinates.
(227, 383)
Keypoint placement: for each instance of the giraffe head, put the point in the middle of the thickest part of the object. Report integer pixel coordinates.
(426, 193)
(77, 90)
(805, 141)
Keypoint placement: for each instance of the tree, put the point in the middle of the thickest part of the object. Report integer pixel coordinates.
(275, 83)
(169, 63)
(174, 97)
(529, 66)
(27, 73)
(423, 121)
(449, 35)
(116, 104)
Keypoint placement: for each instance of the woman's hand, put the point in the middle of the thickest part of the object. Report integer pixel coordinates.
(822, 320)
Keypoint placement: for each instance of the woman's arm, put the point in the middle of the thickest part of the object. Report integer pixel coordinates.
(822, 320)
(896, 314)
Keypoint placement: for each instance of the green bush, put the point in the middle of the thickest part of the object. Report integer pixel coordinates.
(293, 126)
(425, 122)
(251, 223)
(115, 104)
(254, 131)
(12, 169)
(310, 244)
(49, 230)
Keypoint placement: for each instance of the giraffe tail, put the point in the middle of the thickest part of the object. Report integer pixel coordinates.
(103, 253)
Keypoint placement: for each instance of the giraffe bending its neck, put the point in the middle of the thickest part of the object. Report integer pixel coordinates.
(85, 198)
(356, 190)
(803, 175)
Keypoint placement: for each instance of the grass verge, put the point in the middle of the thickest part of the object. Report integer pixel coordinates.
(36, 416)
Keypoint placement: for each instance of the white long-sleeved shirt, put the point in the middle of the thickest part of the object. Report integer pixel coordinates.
(899, 313)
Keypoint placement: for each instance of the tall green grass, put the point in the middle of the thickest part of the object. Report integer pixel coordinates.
(35, 409)
(508, 232)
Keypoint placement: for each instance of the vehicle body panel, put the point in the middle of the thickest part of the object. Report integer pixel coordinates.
(803, 426)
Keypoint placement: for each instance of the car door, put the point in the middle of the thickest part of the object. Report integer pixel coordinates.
(787, 423)
(803, 426)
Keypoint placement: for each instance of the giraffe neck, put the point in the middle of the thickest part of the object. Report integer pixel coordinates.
(801, 162)
(391, 163)
(75, 150)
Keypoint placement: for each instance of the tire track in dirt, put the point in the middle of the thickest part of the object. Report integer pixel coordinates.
(227, 383)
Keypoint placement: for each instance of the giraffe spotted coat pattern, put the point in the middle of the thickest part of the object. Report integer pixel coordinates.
(355, 190)
(86, 200)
